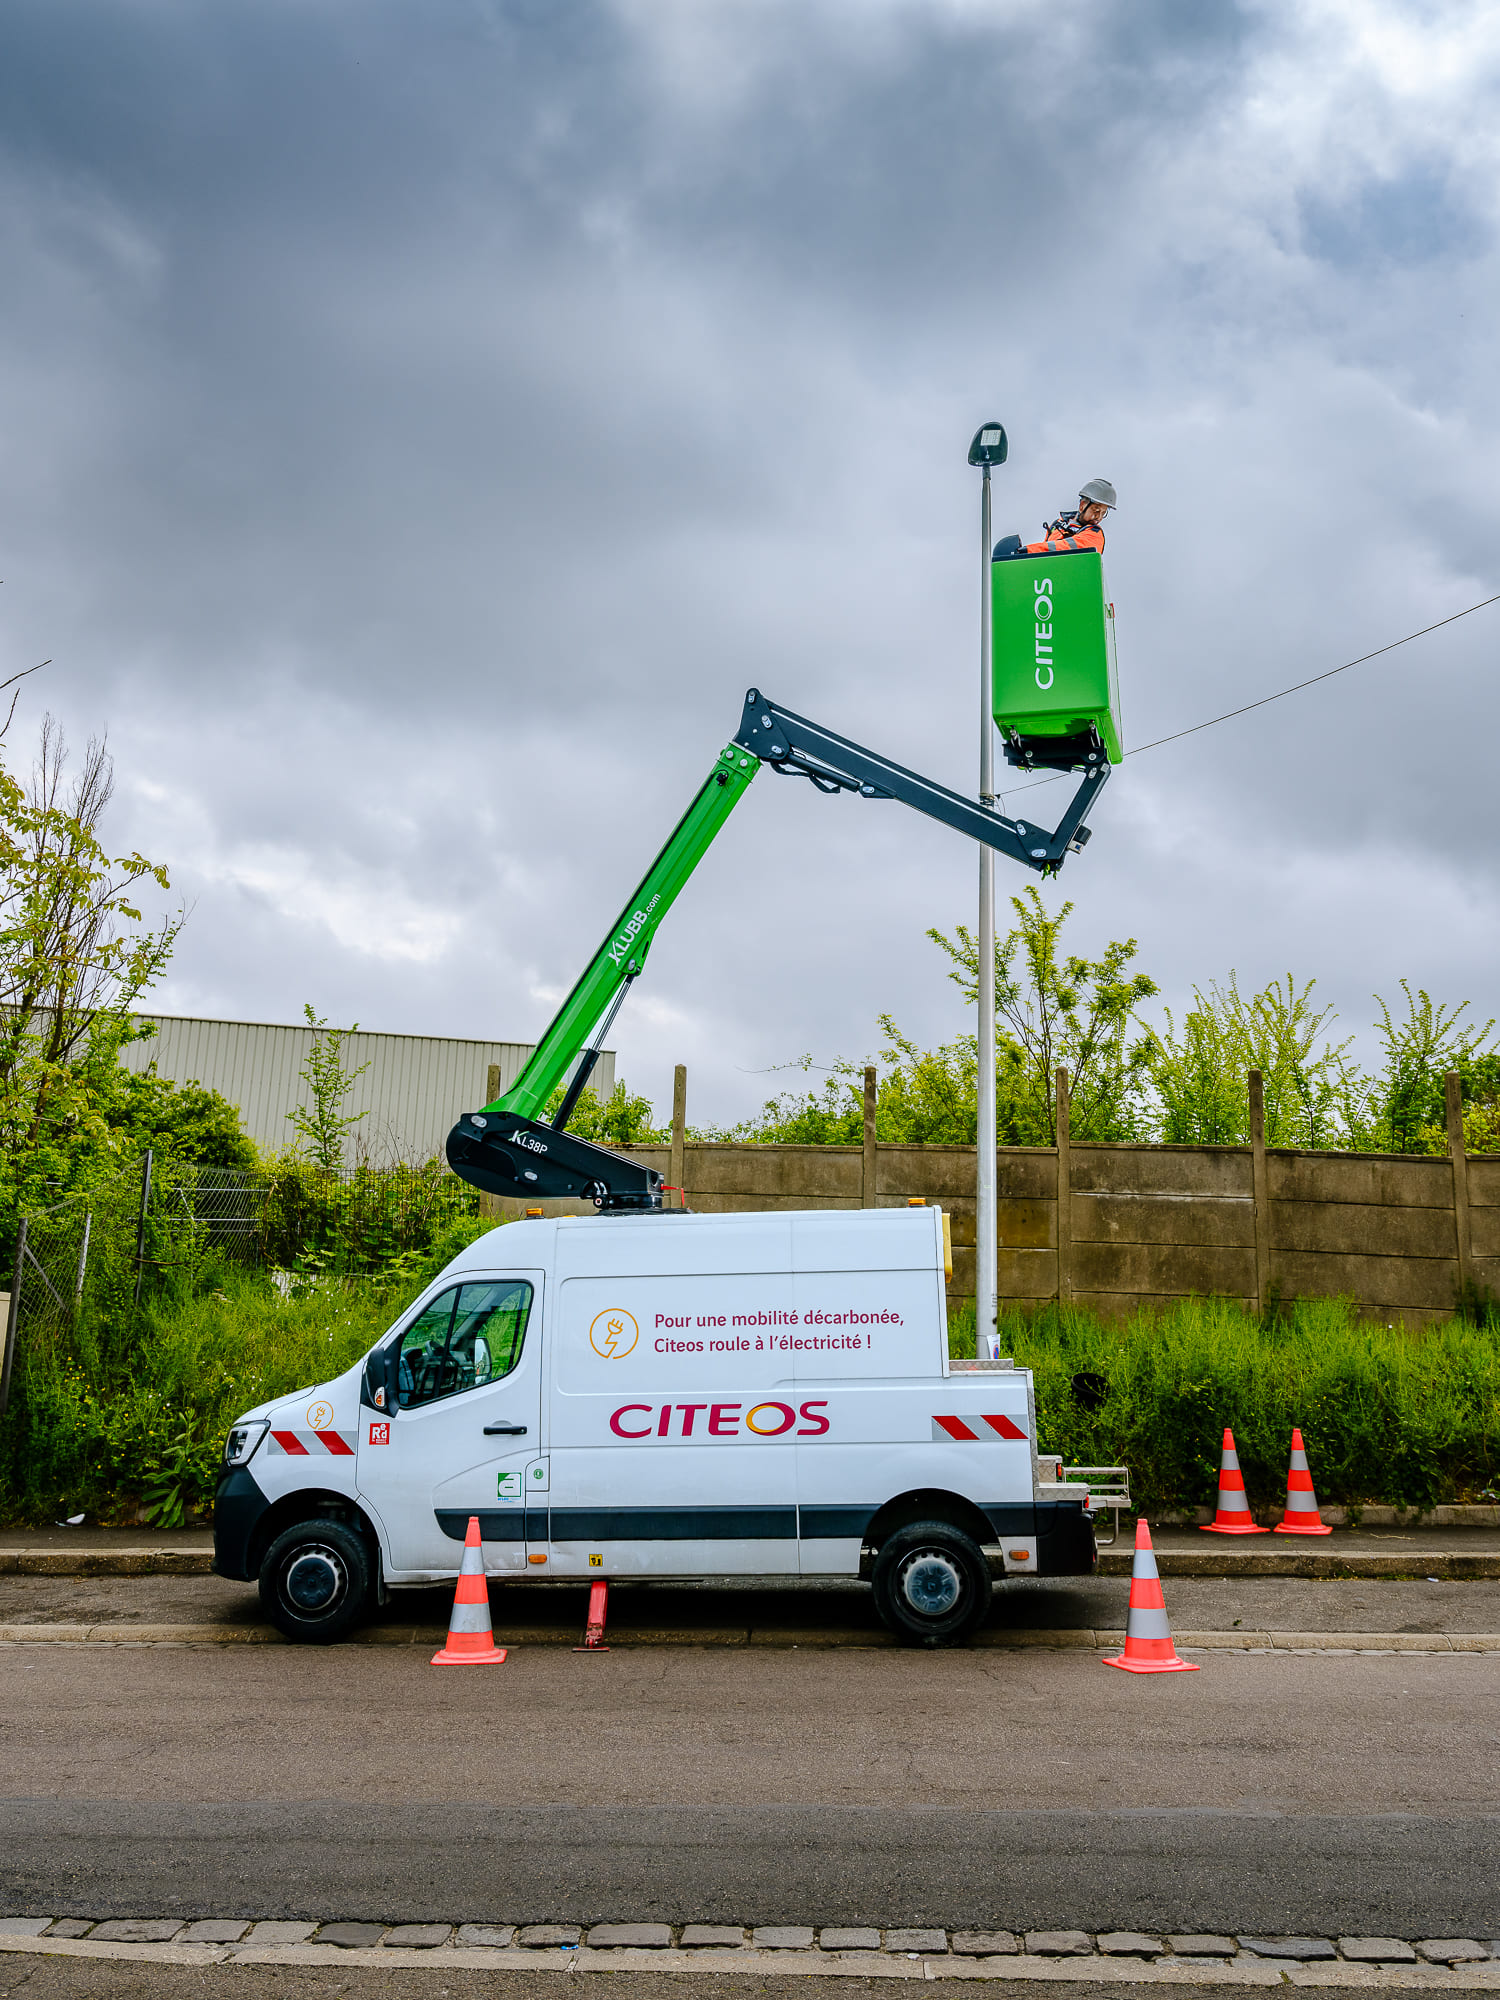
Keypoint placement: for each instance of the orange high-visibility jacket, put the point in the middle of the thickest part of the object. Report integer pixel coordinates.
(1064, 536)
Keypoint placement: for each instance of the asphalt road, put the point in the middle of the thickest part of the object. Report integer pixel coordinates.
(1266, 1793)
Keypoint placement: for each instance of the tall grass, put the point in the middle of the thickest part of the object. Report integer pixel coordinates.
(1405, 1417)
(121, 1407)
(124, 1404)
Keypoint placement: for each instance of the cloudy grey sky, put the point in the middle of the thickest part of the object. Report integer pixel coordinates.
(420, 424)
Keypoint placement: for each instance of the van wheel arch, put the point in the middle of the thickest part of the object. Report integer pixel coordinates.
(923, 1504)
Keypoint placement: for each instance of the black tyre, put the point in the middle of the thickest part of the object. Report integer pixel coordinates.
(315, 1581)
(932, 1584)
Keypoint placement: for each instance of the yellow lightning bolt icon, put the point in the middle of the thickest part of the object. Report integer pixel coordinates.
(613, 1333)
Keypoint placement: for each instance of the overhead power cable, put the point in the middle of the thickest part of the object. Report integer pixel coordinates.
(1282, 693)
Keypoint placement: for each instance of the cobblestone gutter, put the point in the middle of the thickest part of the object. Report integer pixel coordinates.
(1132, 1956)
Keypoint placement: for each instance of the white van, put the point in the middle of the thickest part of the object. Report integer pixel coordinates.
(661, 1395)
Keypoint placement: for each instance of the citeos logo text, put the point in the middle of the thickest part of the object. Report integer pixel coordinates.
(614, 1333)
(1043, 613)
(721, 1420)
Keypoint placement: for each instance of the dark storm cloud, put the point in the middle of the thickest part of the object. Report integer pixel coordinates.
(421, 424)
(350, 272)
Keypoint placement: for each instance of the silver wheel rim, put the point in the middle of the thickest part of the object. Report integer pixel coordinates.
(931, 1583)
(314, 1581)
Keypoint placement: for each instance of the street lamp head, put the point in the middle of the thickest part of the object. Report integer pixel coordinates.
(989, 445)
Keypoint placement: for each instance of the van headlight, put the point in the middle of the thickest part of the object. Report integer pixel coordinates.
(243, 1440)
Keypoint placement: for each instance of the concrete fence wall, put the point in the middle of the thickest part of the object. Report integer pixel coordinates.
(1114, 1227)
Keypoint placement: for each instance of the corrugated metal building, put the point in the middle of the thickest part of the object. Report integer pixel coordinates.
(414, 1089)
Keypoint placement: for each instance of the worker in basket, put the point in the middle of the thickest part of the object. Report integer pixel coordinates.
(1081, 528)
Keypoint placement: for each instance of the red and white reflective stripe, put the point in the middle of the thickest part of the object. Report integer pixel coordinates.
(1232, 1498)
(298, 1444)
(975, 1430)
(1300, 1497)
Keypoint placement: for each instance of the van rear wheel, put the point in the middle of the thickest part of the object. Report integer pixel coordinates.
(932, 1584)
(315, 1581)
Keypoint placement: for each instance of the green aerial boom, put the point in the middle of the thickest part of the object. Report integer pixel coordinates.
(622, 956)
(507, 1149)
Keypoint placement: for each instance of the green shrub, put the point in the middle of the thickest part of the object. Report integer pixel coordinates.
(107, 1415)
(621, 1119)
(458, 1235)
(366, 1220)
(1396, 1416)
(122, 1407)
(120, 1411)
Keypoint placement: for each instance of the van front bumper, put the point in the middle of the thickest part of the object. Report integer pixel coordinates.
(239, 1506)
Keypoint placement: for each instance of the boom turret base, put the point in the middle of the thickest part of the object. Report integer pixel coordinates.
(525, 1159)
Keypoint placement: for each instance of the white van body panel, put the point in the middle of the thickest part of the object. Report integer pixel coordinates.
(313, 1438)
(693, 1396)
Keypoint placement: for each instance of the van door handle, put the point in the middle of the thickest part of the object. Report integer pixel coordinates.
(505, 1430)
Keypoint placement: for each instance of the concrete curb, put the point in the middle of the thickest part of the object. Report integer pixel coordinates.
(1074, 1639)
(1321, 1562)
(1243, 1970)
(1475, 1515)
(1269, 1558)
(106, 1562)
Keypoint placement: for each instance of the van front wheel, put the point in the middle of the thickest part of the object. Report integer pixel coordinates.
(315, 1581)
(932, 1584)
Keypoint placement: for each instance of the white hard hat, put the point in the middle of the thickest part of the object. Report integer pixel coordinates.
(1100, 490)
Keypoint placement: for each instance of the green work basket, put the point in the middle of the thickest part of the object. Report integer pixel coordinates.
(1054, 652)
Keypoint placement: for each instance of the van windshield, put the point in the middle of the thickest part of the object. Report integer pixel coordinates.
(464, 1338)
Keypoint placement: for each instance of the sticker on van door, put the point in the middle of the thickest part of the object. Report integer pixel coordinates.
(614, 1333)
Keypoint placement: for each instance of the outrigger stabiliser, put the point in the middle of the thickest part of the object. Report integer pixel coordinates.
(508, 1147)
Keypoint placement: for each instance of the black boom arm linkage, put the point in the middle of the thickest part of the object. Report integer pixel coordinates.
(793, 745)
(507, 1153)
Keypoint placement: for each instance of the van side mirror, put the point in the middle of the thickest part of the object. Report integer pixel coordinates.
(378, 1390)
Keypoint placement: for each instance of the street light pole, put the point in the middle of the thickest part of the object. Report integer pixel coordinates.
(987, 1255)
(988, 449)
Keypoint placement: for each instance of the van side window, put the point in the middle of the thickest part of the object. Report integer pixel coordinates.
(468, 1336)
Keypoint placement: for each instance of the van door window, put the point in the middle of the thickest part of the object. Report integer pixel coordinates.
(468, 1336)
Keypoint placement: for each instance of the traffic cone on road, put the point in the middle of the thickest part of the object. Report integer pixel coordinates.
(1148, 1637)
(1301, 1516)
(1233, 1516)
(471, 1637)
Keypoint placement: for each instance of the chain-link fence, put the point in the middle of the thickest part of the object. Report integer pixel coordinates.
(169, 1221)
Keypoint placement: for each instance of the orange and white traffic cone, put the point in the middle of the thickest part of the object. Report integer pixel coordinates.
(1233, 1515)
(471, 1637)
(1148, 1637)
(1301, 1516)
